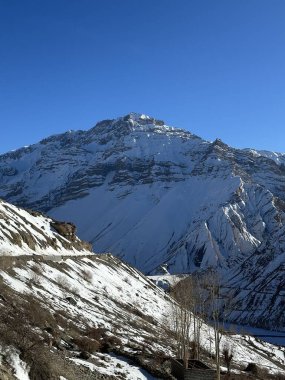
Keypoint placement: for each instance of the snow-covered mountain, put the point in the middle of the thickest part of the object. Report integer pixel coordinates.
(153, 194)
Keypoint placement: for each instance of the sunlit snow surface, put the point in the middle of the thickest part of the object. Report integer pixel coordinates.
(18, 226)
(21, 370)
(116, 365)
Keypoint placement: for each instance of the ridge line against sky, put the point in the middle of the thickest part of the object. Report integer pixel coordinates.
(117, 117)
(215, 68)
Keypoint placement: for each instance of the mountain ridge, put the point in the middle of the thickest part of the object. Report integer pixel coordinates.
(153, 194)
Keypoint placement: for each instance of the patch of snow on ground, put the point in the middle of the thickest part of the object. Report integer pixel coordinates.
(20, 368)
(116, 365)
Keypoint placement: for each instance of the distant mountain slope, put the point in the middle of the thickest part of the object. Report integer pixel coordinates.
(153, 194)
(25, 232)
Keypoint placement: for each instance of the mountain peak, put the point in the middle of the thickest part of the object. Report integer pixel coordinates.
(128, 122)
(137, 116)
(141, 119)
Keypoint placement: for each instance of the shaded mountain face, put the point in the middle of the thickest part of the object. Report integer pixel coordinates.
(152, 194)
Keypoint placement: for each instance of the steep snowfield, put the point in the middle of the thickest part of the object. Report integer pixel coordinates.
(153, 194)
(28, 233)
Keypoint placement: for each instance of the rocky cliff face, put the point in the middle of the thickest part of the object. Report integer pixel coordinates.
(153, 194)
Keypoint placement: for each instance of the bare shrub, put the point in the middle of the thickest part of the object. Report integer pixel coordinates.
(96, 333)
(35, 278)
(87, 344)
(63, 282)
(41, 365)
(127, 280)
(75, 290)
(36, 268)
(61, 318)
(16, 329)
(110, 342)
(36, 313)
(6, 262)
(279, 376)
(5, 291)
(87, 275)
(228, 356)
(107, 342)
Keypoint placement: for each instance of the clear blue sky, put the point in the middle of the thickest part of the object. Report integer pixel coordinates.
(214, 67)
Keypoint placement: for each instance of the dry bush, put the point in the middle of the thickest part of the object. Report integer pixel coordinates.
(18, 321)
(279, 376)
(96, 298)
(36, 268)
(240, 376)
(87, 275)
(96, 333)
(127, 280)
(16, 331)
(87, 344)
(6, 262)
(63, 282)
(42, 365)
(5, 291)
(74, 290)
(61, 318)
(35, 313)
(107, 342)
(228, 356)
(65, 321)
(134, 311)
(35, 279)
(110, 342)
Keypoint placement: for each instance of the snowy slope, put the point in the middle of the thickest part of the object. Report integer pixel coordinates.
(109, 294)
(153, 194)
(25, 232)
